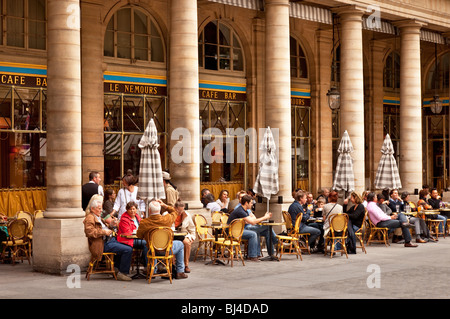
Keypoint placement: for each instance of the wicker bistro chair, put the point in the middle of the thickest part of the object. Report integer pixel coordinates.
(30, 219)
(216, 217)
(377, 234)
(290, 229)
(38, 214)
(337, 234)
(160, 243)
(361, 232)
(434, 224)
(18, 242)
(103, 266)
(205, 238)
(289, 244)
(232, 242)
(28, 216)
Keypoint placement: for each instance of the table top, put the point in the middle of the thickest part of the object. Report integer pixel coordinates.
(426, 212)
(272, 223)
(315, 219)
(214, 226)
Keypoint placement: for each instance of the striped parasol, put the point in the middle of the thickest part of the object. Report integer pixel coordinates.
(344, 178)
(387, 173)
(150, 172)
(266, 183)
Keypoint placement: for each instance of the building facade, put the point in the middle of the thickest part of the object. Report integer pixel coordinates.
(80, 80)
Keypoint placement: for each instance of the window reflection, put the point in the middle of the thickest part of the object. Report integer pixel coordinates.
(125, 120)
(131, 34)
(23, 140)
(219, 48)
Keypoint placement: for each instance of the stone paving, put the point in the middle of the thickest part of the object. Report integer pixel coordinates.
(384, 272)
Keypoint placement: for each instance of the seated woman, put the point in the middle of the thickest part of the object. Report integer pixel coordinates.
(129, 223)
(127, 194)
(423, 203)
(422, 232)
(223, 200)
(329, 210)
(108, 202)
(185, 224)
(101, 239)
(356, 212)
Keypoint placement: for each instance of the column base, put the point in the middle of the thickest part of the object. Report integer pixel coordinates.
(58, 243)
(275, 209)
(194, 205)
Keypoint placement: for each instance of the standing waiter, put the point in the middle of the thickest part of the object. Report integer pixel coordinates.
(91, 188)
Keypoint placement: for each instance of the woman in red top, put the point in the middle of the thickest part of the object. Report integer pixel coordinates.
(129, 223)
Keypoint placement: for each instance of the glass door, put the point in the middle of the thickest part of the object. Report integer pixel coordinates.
(436, 149)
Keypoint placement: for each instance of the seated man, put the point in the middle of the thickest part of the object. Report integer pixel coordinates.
(435, 202)
(155, 220)
(252, 231)
(384, 204)
(313, 229)
(380, 219)
(100, 240)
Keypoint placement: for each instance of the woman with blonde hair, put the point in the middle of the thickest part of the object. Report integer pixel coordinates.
(356, 212)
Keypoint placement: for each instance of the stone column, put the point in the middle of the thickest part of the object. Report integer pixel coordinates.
(323, 166)
(410, 165)
(278, 89)
(58, 239)
(352, 87)
(183, 90)
(375, 116)
(92, 91)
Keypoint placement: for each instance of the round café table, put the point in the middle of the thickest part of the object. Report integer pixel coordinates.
(216, 227)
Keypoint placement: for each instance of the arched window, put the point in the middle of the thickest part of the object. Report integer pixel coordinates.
(23, 24)
(219, 48)
(392, 71)
(132, 34)
(299, 65)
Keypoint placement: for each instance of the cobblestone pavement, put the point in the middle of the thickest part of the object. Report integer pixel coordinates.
(394, 272)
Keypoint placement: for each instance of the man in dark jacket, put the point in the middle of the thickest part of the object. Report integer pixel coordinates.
(91, 188)
(435, 202)
(297, 208)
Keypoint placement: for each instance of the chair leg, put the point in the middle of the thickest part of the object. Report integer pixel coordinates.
(169, 268)
(299, 250)
(151, 264)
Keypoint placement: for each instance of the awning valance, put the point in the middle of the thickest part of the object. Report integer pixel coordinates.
(324, 15)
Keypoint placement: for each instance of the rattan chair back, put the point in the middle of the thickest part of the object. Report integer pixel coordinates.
(216, 216)
(236, 229)
(288, 221)
(161, 239)
(339, 223)
(26, 215)
(18, 229)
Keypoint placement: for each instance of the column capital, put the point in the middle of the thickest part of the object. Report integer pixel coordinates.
(409, 24)
(276, 2)
(350, 11)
